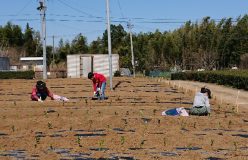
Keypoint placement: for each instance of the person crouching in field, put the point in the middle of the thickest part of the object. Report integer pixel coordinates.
(201, 106)
(99, 84)
(40, 92)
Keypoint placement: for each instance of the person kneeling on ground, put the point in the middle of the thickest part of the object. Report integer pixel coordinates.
(99, 84)
(40, 92)
(201, 106)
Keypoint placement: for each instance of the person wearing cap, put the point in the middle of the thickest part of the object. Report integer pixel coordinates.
(40, 92)
(201, 106)
(99, 84)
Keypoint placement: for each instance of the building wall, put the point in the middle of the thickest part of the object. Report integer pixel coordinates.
(73, 66)
(80, 65)
(4, 63)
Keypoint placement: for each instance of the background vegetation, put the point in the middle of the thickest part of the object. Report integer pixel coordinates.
(208, 44)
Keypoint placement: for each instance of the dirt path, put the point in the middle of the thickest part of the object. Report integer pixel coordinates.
(222, 93)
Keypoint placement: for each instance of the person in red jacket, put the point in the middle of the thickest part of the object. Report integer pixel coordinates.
(40, 92)
(99, 84)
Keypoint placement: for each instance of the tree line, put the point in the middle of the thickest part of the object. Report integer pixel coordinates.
(209, 44)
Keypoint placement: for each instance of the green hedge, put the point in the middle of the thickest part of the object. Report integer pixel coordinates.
(234, 78)
(17, 74)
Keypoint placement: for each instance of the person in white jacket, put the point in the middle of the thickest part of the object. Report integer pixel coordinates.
(201, 106)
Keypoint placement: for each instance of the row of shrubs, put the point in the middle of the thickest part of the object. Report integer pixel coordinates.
(17, 74)
(235, 78)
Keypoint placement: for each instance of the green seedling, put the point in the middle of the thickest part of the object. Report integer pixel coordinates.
(219, 106)
(194, 125)
(141, 113)
(125, 121)
(118, 98)
(45, 114)
(233, 109)
(235, 145)
(183, 125)
(212, 142)
(79, 141)
(13, 128)
(122, 140)
(157, 99)
(229, 124)
(225, 115)
(220, 125)
(101, 144)
(51, 147)
(90, 124)
(142, 142)
(37, 139)
(154, 112)
(159, 121)
(49, 125)
(165, 141)
(127, 113)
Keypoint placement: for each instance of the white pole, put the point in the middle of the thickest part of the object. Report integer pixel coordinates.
(131, 39)
(109, 45)
(42, 9)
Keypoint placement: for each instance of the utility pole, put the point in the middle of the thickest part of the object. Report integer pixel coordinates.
(53, 50)
(131, 40)
(109, 45)
(42, 9)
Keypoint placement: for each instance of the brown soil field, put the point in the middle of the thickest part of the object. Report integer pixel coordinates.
(128, 125)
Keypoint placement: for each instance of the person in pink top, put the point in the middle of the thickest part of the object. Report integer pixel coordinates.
(40, 92)
(99, 84)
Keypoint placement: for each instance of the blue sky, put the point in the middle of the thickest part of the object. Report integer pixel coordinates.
(67, 18)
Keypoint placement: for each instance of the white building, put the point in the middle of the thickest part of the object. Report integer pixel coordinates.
(81, 64)
(32, 63)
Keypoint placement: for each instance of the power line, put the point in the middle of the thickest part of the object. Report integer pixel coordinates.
(120, 9)
(25, 6)
(78, 10)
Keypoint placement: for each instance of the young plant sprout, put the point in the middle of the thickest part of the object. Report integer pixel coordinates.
(212, 142)
(49, 125)
(142, 142)
(37, 139)
(122, 140)
(79, 141)
(13, 128)
(101, 144)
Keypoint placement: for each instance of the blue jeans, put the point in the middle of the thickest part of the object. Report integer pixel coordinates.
(103, 87)
(43, 95)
